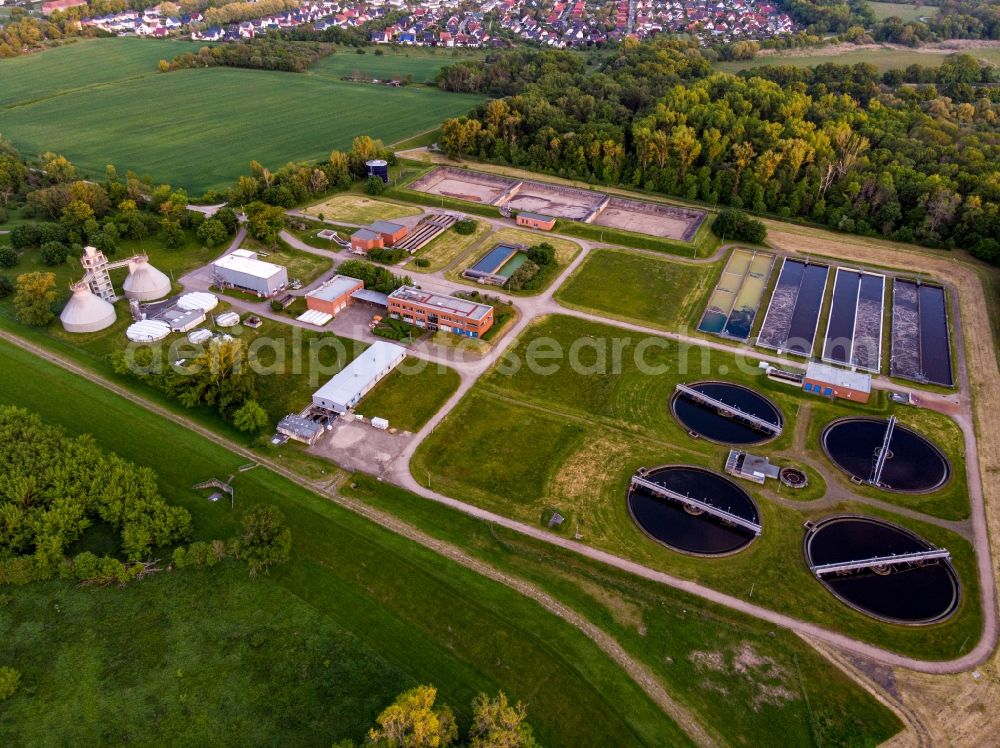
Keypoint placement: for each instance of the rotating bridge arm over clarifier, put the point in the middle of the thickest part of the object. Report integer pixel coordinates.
(657, 490)
(749, 419)
(839, 567)
(883, 454)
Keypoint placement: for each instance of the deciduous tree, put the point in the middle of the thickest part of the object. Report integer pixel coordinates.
(36, 293)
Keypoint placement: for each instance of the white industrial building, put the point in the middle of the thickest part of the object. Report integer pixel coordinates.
(357, 379)
(243, 270)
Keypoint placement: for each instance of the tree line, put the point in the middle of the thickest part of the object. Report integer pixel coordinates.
(255, 54)
(849, 150)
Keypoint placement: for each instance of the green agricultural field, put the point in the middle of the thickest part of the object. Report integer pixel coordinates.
(638, 288)
(411, 394)
(789, 695)
(181, 126)
(906, 11)
(328, 639)
(81, 65)
(551, 437)
(422, 64)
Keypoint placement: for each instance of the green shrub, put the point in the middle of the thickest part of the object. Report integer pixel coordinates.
(374, 186)
(8, 257)
(542, 254)
(387, 256)
(422, 262)
(6, 286)
(9, 681)
(738, 226)
(465, 227)
(522, 276)
(53, 253)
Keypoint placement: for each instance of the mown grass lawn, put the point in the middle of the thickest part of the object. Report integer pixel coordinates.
(303, 266)
(572, 438)
(411, 394)
(773, 688)
(906, 11)
(421, 63)
(446, 248)
(638, 288)
(359, 209)
(180, 127)
(565, 252)
(427, 619)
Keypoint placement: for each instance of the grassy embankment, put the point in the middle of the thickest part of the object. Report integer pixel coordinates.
(313, 650)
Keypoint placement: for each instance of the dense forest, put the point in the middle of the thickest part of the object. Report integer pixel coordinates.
(839, 145)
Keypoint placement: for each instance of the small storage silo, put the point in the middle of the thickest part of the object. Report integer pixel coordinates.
(86, 312)
(144, 282)
(378, 168)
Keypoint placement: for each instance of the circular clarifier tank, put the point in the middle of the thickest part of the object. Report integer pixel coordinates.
(915, 592)
(717, 424)
(686, 527)
(913, 464)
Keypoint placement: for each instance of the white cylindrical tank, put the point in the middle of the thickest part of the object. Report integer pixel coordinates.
(86, 312)
(144, 282)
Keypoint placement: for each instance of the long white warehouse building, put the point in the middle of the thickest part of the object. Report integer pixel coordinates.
(241, 269)
(356, 379)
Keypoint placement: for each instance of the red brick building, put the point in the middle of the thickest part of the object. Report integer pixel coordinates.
(390, 232)
(536, 221)
(439, 312)
(334, 295)
(364, 241)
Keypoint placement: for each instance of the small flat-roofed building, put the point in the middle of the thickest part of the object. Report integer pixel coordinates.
(182, 320)
(536, 221)
(300, 429)
(831, 381)
(242, 269)
(390, 232)
(357, 379)
(334, 295)
(440, 312)
(364, 241)
(750, 467)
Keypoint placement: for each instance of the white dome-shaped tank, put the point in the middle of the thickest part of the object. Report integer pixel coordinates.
(198, 300)
(86, 312)
(144, 282)
(147, 331)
